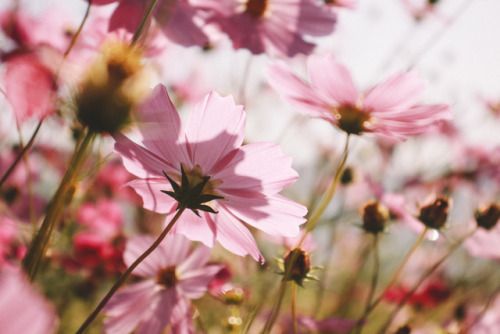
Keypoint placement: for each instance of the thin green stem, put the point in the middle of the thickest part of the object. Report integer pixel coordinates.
(373, 286)
(21, 154)
(142, 25)
(311, 223)
(276, 309)
(395, 276)
(424, 276)
(320, 209)
(59, 201)
(127, 273)
(294, 308)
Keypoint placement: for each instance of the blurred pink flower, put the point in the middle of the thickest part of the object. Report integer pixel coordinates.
(22, 309)
(276, 27)
(174, 275)
(104, 217)
(248, 177)
(484, 243)
(179, 20)
(386, 109)
(29, 86)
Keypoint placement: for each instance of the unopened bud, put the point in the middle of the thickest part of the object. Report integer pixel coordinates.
(434, 215)
(234, 296)
(374, 217)
(488, 217)
(406, 329)
(297, 264)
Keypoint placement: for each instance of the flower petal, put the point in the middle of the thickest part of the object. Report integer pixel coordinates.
(332, 79)
(234, 236)
(397, 92)
(265, 160)
(298, 93)
(215, 127)
(152, 197)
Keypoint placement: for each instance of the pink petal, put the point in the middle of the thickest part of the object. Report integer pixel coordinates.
(196, 228)
(275, 215)
(265, 160)
(234, 236)
(162, 313)
(172, 251)
(22, 308)
(152, 197)
(181, 26)
(397, 92)
(296, 92)
(198, 257)
(29, 87)
(332, 79)
(127, 15)
(161, 128)
(141, 161)
(214, 128)
(194, 284)
(128, 306)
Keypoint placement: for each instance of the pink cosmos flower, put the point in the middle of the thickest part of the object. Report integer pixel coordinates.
(349, 4)
(29, 86)
(386, 109)
(22, 309)
(276, 27)
(173, 276)
(179, 20)
(248, 178)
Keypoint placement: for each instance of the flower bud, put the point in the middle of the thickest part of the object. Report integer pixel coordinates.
(374, 217)
(488, 217)
(113, 86)
(406, 329)
(300, 267)
(434, 215)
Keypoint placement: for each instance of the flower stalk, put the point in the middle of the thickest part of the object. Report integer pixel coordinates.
(59, 201)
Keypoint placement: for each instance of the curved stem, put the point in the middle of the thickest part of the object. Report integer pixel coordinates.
(21, 154)
(127, 273)
(77, 33)
(376, 266)
(59, 201)
(316, 215)
(424, 276)
(142, 25)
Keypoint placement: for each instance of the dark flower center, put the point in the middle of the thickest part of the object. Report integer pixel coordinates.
(351, 119)
(256, 8)
(166, 277)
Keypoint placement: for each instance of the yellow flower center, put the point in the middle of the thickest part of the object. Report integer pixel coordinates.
(351, 119)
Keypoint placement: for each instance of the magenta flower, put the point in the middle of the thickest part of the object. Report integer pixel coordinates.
(248, 178)
(180, 21)
(276, 27)
(22, 309)
(174, 276)
(386, 109)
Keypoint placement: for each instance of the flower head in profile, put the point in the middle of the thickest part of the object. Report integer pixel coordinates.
(388, 108)
(275, 27)
(173, 275)
(206, 169)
